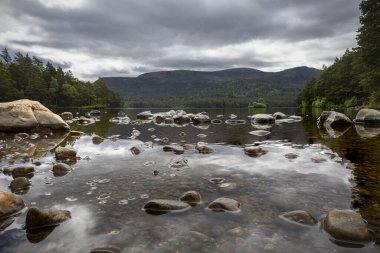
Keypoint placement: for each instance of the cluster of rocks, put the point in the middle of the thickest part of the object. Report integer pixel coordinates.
(334, 124)
(179, 117)
(186, 201)
(36, 221)
(266, 121)
(344, 226)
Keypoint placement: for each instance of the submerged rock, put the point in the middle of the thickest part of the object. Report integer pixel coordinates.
(66, 116)
(368, 116)
(318, 159)
(27, 114)
(61, 169)
(224, 204)
(39, 218)
(291, 155)
(10, 204)
(254, 151)
(85, 121)
(20, 185)
(96, 139)
(300, 217)
(178, 162)
(191, 197)
(136, 150)
(106, 250)
(346, 226)
(63, 153)
(216, 180)
(165, 205)
(259, 132)
(202, 148)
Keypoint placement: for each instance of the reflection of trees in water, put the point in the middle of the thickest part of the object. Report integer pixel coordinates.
(364, 153)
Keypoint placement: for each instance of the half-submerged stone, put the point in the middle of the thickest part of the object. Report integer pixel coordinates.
(27, 114)
(202, 148)
(63, 153)
(165, 205)
(299, 217)
(23, 171)
(61, 169)
(106, 250)
(368, 116)
(254, 151)
(224, 204)
(347, 226)
(40, 218)
(10, 204)
(191, 197)
(20, 185)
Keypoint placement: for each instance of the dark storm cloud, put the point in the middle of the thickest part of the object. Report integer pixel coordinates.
(141, 29)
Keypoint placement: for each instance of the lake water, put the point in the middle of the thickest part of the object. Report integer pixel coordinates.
(108, 186)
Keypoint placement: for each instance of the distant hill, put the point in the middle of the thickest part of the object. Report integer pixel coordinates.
(230, 87)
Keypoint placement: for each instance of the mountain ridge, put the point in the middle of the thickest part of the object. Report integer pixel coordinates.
(181, 86)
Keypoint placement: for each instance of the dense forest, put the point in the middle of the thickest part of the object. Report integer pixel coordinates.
(235, 88)
(354, 78)
(27, 77)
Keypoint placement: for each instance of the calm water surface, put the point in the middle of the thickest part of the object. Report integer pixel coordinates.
(108, 186)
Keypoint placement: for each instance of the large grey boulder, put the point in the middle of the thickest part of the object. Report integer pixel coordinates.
(165, 205)
(26, 114)
(347, 226)
(9, 204)
(368, 116)
(333, 119)
(40, 218)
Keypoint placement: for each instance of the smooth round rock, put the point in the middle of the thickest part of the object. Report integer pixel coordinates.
(61, 169)
(346, 225)
(165, 205)
(224, 204)
(10, 204)
(191, 197)
(300, 217)
(368, 116)
(19, 183)
(279, 115)
(39, 218)
(63, 153)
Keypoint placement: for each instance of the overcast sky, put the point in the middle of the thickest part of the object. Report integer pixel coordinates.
(129, 37)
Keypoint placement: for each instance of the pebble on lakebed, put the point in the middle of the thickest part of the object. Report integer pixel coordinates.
(299, 217)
